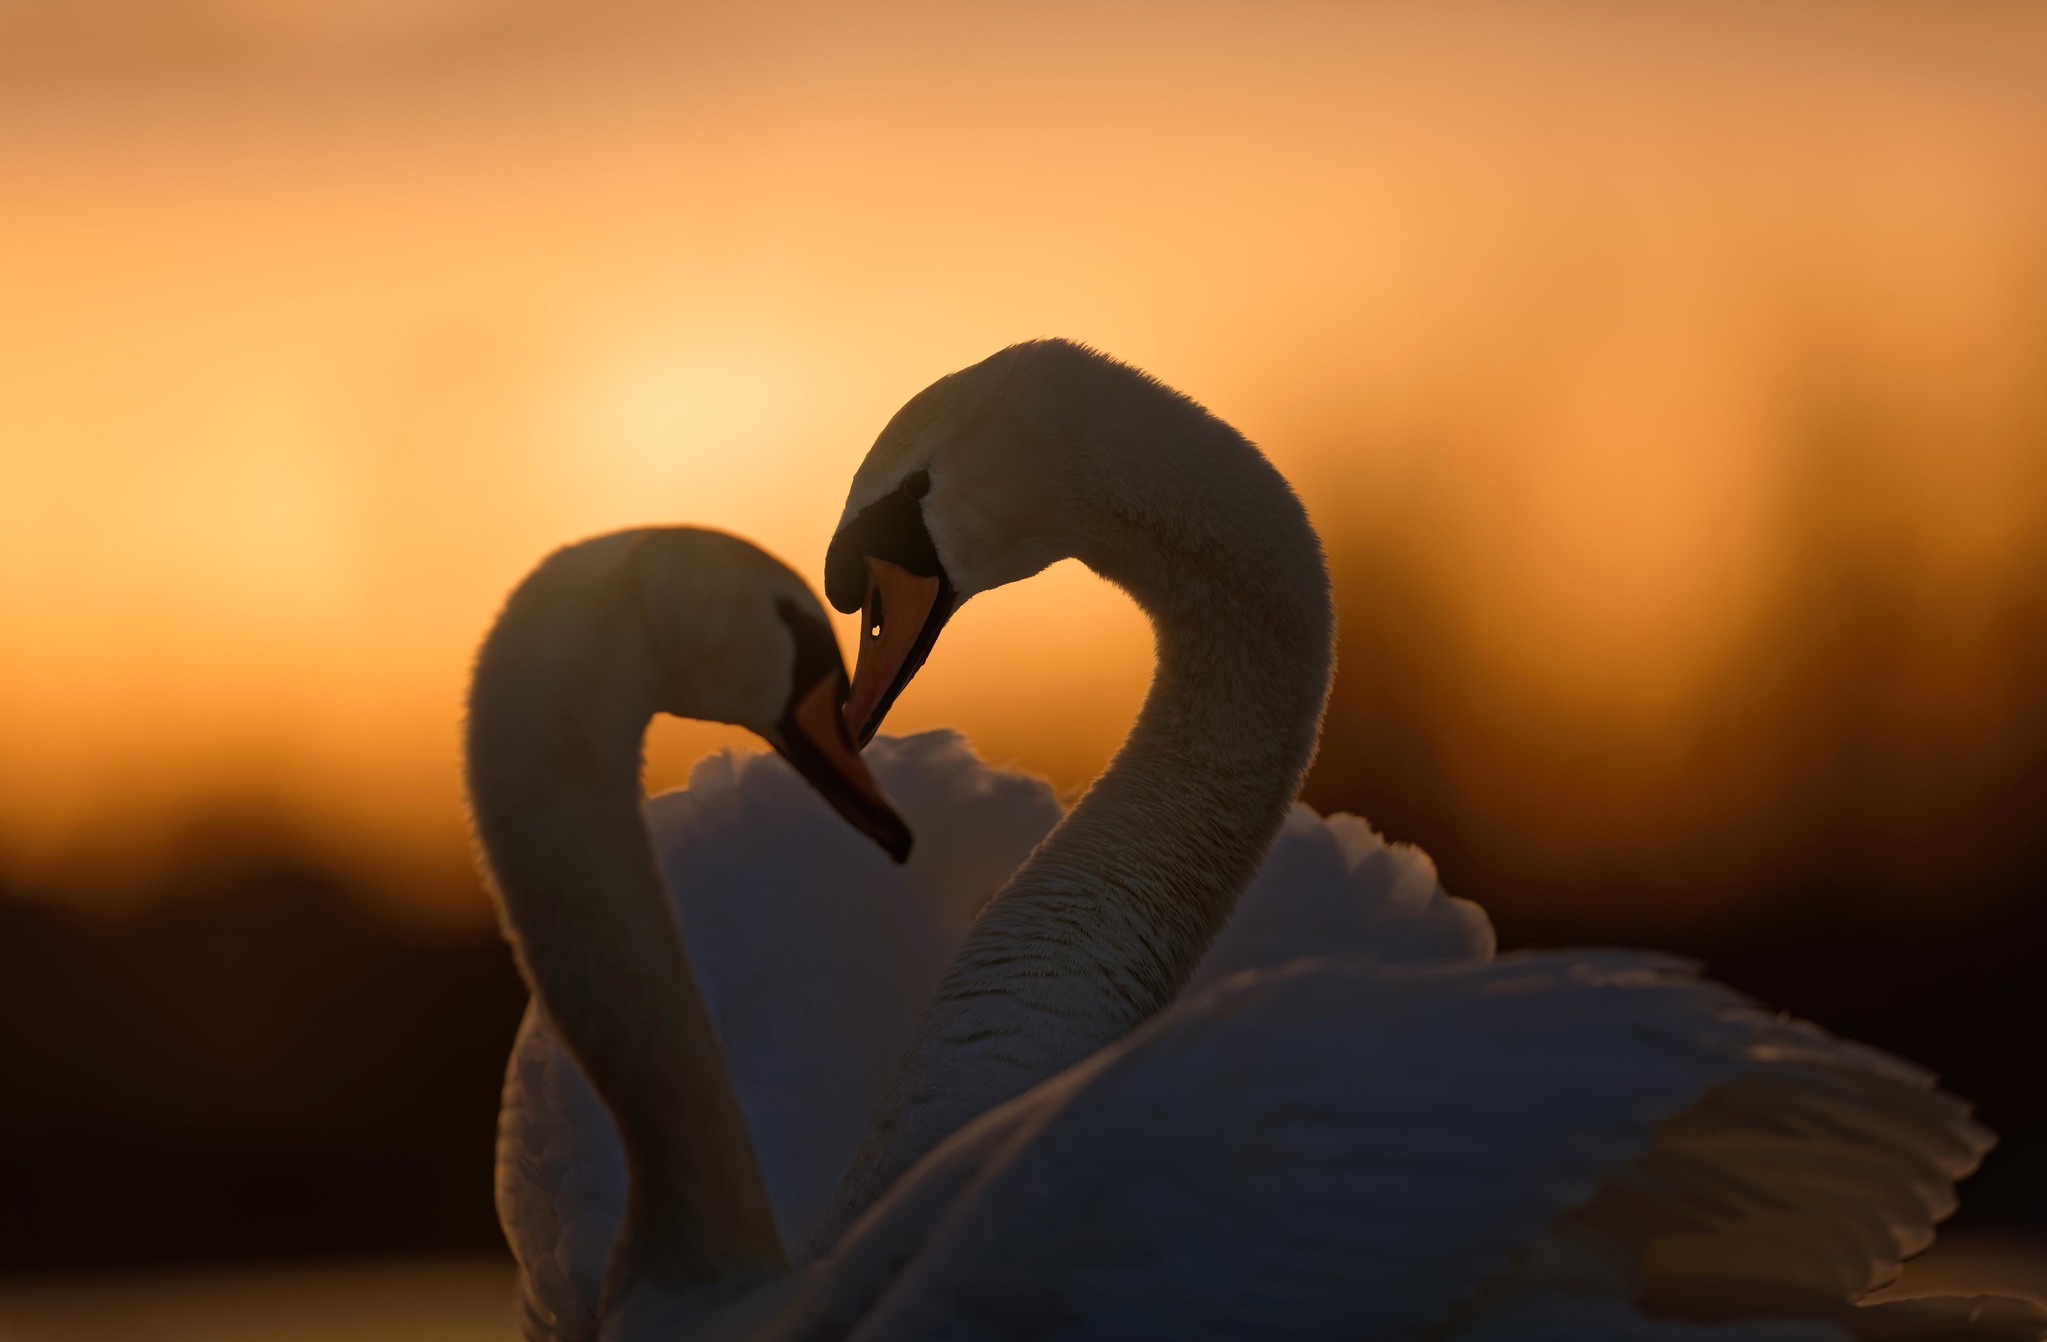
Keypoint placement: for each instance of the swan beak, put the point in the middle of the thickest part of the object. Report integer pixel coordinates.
(814, 739)
(898, 625)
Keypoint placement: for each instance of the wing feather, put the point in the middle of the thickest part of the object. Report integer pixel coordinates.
(1395, 1147)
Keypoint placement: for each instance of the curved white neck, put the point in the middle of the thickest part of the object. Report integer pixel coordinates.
(1104, 923)
(556, 721)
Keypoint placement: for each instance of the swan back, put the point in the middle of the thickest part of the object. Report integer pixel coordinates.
(1332, 886)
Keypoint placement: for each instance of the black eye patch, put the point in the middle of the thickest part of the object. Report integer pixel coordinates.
(890, 528)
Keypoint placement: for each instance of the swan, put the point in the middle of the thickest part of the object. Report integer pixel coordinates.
(1214, 1173)
(814, 954)
(600, 637)
(1048, 451)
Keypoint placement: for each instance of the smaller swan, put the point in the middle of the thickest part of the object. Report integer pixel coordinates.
(597, 640)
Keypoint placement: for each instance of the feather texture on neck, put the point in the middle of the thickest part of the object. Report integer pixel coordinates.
(562, 693)
(1104, 923)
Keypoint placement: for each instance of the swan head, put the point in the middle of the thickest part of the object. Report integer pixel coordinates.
(722, 632)
(982, 479)
(742, 640)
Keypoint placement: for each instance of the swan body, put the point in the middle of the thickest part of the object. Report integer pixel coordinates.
(1568, 1145)
(814, 954)
(1450, 1032)
(601, 636)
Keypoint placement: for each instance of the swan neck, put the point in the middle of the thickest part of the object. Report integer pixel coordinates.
(1220, 555)
(554, 755)
(1106, 921)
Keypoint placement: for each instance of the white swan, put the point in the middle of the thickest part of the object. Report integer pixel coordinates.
(600, 637)
(1218, 1173)
(812, 951)
(814, 954)
(1047, 451)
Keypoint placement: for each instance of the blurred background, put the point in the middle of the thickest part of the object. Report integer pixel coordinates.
(1668, 382)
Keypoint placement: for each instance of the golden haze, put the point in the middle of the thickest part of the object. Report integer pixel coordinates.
(317, 333)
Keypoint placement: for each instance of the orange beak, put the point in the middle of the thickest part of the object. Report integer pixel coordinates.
(898, 625)
(816, 741)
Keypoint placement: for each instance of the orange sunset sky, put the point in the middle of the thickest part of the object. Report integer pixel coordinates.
(320, 324)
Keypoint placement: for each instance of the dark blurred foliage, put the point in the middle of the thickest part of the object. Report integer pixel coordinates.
(256, 1067)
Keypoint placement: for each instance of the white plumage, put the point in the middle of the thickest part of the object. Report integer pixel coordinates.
(1546, 1144)
(1415, 1137)
(815, 953)
(1333, 886)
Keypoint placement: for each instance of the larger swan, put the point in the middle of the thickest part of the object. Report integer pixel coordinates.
(1048, 451)
(814, 953)
(1216, 1173)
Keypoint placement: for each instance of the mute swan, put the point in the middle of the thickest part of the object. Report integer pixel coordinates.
(1116, 1200)
(814, 954)
(586, 648)
(1048, 451)
(600, 637)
